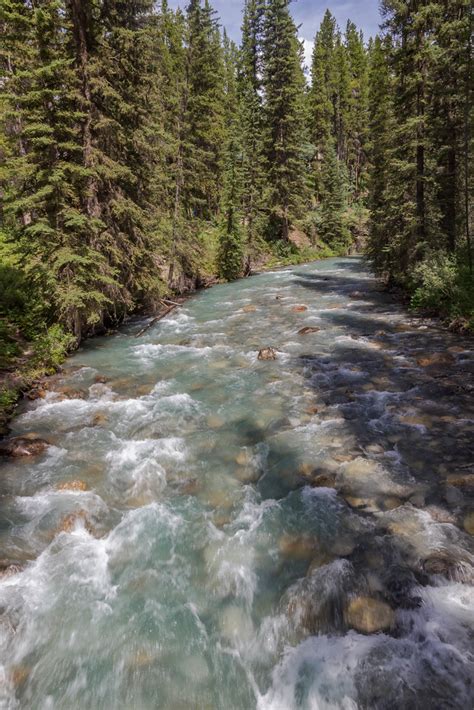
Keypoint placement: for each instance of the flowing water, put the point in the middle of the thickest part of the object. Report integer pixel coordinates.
(207, 530)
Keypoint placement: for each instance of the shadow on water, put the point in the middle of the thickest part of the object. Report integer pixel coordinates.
(401, 397)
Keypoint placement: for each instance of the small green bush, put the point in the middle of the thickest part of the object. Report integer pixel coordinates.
(51, 347)
(443, 285)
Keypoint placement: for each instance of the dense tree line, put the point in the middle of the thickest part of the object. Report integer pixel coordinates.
(132, 136)
(141, 147)
(420, 128)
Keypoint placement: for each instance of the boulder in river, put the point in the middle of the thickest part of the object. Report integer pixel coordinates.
(468, 523)
(368, 615)
(308, 329)
(267, 354)
(23, 446)
(298, 547)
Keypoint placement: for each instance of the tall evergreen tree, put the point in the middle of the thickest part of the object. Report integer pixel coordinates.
(205, 112)
(251, 123)
(357, 107)
(286, 139)
(381, 129)
(230, 256)
(323, 93)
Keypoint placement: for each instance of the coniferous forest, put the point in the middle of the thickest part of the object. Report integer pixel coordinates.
(144, 153)
(260, 495)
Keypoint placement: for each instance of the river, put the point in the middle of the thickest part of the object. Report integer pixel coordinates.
(211, 531)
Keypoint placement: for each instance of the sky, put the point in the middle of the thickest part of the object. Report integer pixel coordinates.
(307, 13)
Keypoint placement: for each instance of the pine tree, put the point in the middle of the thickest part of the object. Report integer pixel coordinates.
(251, 124)
(323, 95)
(54, 237)
(286, 139)
(334, 202)
(204, 130)
(357, 107)
(381, 129)
(230, 256)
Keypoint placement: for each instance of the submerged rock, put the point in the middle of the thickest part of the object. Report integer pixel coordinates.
(468, 523)
(72, 486)
(298, 547)
(324, 479)
(308, 329)
(368, 615)
(461, 480)
(215, 422)
(235, 625)
(100, 420)
(267, 354)
(23, 446)
(435, 359)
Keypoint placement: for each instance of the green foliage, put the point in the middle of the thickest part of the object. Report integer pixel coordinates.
(230, 256)
(286, 130)
(421, 119)
(50, 348)
(443, 285)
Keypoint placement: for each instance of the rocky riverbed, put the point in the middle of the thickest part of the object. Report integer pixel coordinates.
(265, 501)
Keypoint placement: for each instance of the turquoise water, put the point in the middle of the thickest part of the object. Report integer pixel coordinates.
(227, 510)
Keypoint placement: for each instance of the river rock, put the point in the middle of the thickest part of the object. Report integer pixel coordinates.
(368, 615)
(435, 359)
(321, 558)
(23, 446)
(391, 503)
(10, 571)
(72, 486)
(243, 458)
(235, 625)
(267, 354)
(468, 523)
(100, 420)
(297, 547)
(439, 565)
(308, 329)
(325, 479)
(215, 422)
(69, 523)
(366, 505)
(461, 480)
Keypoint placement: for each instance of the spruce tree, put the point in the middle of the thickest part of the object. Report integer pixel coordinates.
(251, 124)
(334, 201)
(323, 95)
(204, 130)
(230, 256)
(357, 107)
(381, 129)
(286, 134)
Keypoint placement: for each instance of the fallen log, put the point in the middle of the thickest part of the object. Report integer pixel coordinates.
(155, 320)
